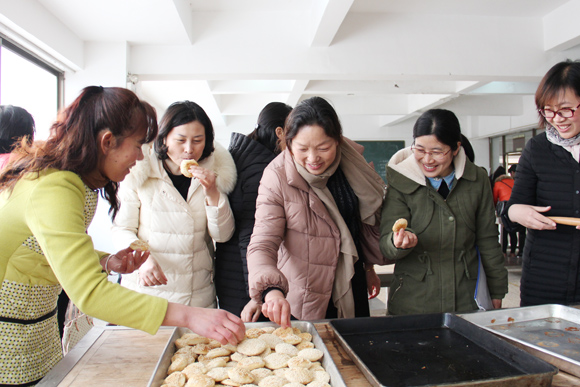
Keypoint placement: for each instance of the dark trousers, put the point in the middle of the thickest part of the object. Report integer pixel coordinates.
(513, 236)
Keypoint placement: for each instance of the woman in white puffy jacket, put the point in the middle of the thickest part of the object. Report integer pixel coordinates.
(178, 216)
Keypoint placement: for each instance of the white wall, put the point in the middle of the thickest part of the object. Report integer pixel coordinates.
(106, 65)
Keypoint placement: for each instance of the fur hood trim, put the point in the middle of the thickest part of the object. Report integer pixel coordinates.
(404, 162)
(220, 162)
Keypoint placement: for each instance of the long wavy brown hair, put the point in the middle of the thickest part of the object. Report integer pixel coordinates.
(73, 145)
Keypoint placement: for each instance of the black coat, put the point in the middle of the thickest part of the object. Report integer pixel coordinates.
(548, 175)
(231, 274)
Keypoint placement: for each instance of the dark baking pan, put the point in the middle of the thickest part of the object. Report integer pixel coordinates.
(436, 349)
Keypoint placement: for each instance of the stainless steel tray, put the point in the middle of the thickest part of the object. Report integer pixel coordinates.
(336, 379)
(550, 332)
(436, 350)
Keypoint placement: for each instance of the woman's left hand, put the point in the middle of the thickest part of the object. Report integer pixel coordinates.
(251, 312)
(125, 261)
(496, 303)
(373, 282)
(207, 179)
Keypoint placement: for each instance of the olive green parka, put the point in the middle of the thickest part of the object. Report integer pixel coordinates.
(440, 273)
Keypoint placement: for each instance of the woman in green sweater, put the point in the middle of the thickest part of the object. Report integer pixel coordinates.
(48, 195)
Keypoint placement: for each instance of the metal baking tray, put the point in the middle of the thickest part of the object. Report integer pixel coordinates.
(336, 379)
(436, 349)
(550, 332)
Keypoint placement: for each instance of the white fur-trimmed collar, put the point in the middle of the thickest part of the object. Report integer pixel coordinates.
(404, 162)
(220, 161)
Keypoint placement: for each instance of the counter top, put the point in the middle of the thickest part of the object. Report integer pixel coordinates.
(127, 357)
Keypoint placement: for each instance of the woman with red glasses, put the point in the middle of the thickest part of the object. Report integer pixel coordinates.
(448, 205)
(548, 184)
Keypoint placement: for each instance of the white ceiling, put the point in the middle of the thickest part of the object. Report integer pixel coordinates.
(380, 62)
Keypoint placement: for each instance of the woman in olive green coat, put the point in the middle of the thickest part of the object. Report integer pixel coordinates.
(448, 204)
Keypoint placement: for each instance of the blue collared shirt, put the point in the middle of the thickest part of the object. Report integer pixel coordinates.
(436, 181)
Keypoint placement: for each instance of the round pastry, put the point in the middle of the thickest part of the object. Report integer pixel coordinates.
(254, 333)
(178, 363)
(217, 352)
(184, 167)
(218, 373)
(322, 376)
(299, 362)
(251, 363)
(195, 369)
(311, 354)
(261, 373)
(273, 381)
(400, 224)
(266, 352)
(304, 345)
(292, 339)
(299, 375)
(236, 356)
(217, 362)
(286, 348)
(240, 375)
(251, 347)
(176, 379)
(201, 349)
(200, 381)
(271, 339)
(139, 245)
(276, 360)
(283, 331)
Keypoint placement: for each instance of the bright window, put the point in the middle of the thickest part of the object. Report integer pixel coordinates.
(30, 84)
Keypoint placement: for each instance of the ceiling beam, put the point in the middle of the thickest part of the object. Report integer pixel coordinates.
(184, 12)
(561, 28)
(297, 92)
(328, 17)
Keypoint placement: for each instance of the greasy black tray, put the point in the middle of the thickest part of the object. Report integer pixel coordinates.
(436, 349)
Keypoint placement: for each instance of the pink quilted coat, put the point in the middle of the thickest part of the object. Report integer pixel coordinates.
(295, 244)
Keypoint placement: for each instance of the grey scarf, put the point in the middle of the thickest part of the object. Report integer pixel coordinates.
(555, 138)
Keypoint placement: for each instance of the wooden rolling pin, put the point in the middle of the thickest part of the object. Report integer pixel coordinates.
(565, 220)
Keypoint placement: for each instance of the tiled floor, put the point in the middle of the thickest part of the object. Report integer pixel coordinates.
(378, 305)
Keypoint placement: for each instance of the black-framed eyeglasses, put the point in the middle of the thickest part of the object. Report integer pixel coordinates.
(436, 155)
(564, 112)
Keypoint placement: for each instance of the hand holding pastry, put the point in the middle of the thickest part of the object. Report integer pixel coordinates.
(403, 239)
(207, 179)
(185, 165)
(139, 245)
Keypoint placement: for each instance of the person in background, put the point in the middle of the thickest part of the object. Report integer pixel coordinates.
(48, 195)
(521, 230)
(447, 202)
(15, 123)
(179, 216)
(251, 154)
(315, 238)
(502, 190)
(547, 184)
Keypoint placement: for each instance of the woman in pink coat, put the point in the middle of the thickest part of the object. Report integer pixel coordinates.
(316, 233)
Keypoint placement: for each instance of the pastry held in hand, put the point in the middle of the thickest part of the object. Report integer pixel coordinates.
(400, 224)
(139, 245)
(185, 165)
